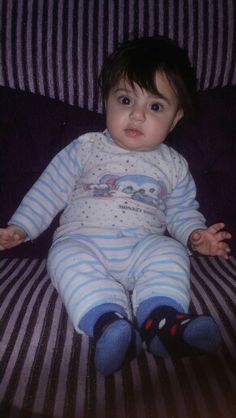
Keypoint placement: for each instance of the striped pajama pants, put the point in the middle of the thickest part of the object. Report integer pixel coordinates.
(93, 269)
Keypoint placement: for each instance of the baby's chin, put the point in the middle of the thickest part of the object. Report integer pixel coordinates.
(130, 146)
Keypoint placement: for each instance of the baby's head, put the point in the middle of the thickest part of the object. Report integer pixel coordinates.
(148, 85)
(139, 60)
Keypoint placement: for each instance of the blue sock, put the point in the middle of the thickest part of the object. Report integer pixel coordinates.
(117, 341)
(87, 323)
(168, 331)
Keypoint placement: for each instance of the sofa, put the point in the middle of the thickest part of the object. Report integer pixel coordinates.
(50, 56)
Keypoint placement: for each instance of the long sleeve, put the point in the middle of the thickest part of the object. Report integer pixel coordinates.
(50, 193)
(182, 214)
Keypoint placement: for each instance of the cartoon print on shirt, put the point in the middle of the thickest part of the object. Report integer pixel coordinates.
(141, 188)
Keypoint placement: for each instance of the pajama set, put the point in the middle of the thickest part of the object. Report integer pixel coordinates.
(116, 205)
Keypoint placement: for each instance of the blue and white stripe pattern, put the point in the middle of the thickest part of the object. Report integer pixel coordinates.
(73, 181)
(98, 267)
(50, 194)
(182, 209)
(98, 264)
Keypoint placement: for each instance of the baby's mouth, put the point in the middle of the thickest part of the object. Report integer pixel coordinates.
(132, 132)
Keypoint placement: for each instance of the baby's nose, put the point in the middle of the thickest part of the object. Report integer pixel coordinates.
(138, 113)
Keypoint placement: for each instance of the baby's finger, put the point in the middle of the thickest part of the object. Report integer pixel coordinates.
(223, 250)
(222, 235)
(216, 227)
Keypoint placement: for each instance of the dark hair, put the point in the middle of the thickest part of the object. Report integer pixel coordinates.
(137, 61)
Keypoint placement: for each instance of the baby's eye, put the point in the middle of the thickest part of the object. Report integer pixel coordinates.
(124, 100)
(156, 107)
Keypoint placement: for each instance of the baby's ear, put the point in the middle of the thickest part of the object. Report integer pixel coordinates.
(179, 115)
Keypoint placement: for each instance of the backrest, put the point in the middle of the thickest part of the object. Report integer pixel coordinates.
(56, 47)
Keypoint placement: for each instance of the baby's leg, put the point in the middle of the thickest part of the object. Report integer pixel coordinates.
(161, 298)
(96, 304)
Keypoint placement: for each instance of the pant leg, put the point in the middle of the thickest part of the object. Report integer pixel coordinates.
(162, 270)
(78, 271)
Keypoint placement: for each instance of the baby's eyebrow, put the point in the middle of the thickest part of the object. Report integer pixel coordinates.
(122, 90)
(159, 97)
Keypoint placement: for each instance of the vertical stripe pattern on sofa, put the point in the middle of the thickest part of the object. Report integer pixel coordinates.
(46, 369)
(56, 47)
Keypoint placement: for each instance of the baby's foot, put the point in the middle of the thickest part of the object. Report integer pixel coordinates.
(117, 342)
(171, 333)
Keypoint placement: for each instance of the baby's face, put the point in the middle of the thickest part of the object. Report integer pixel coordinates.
(139, 120)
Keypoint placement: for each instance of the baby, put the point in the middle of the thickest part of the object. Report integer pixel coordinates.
(123, 280)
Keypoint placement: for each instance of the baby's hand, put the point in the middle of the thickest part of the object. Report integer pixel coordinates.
(210, 241)
(11, 236)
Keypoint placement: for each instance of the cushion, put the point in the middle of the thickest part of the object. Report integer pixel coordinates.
(64, 63)
(209, 145)
(34, 128)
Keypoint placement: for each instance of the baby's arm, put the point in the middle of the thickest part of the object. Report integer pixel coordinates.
(210, 241)
(50, 194)
(11, 236)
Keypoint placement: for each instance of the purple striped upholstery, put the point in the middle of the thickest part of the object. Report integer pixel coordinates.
(47, 370)
(56, 47)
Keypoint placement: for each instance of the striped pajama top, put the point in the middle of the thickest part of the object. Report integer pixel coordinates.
(96, 183)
